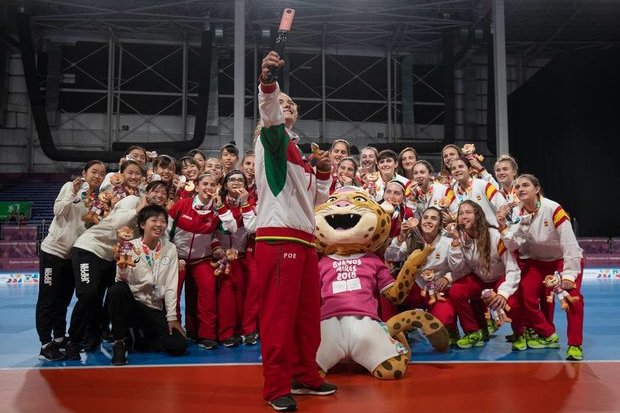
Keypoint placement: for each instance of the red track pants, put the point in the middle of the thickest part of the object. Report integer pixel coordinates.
(443, 310)
(532, 289)
(245, 278)
(289, 315)
(210, 302)
(465, 298)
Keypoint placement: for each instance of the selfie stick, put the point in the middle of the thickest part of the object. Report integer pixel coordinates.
(285, 27)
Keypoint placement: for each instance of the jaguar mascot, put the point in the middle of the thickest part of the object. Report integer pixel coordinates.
(350, 228)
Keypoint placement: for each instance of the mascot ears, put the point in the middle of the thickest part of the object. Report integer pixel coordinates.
(347, 188)
(386, 206)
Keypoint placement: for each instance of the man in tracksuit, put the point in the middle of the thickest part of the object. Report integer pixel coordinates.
(288, 189)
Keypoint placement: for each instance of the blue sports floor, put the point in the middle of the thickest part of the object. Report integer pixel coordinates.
(19, 346)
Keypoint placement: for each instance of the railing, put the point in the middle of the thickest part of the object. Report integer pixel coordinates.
(42, 227)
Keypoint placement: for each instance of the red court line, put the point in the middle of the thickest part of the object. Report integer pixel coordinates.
(462, 388)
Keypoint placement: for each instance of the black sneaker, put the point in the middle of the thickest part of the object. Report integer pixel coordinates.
(92, 344)
(51, 352)
(106, 334)
(251, 339)
(232, 341)
(207, 344)
(119, 353)
(485, 335)
(283, 404)
(72, 351)
(61, 342)
(324, 389)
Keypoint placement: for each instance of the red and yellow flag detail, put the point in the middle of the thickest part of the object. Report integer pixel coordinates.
(559, 216)
(407, 189)
(501, 248)
(449, 197)
(490, 191)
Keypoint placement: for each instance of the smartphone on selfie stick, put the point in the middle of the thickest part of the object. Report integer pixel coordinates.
(285, 26)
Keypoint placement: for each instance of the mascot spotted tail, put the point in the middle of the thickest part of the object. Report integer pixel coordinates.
(350, 228)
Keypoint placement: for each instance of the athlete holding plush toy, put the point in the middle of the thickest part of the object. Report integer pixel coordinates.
(545, 242)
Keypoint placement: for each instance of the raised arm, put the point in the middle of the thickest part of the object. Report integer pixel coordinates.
(67, 198)
(269, 106)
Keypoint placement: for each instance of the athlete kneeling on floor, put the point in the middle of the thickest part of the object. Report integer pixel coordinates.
(145, 296)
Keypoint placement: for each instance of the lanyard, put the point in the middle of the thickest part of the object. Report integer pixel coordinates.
(152, 259)
(463, 195)
(200, 207)
(523, 210)
(87, 198)
(428, 196)
(511, 195)
(234, 202)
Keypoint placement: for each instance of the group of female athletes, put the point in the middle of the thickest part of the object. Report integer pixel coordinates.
(489, 232)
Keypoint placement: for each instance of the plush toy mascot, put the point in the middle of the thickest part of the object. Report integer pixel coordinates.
(553, 282)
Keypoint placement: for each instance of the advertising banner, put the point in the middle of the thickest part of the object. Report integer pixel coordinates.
(15, 210)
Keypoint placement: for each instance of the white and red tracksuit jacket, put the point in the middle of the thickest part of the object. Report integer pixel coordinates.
(466, 259)
(546, 235)
(245, 218)
(438, 191)
(484, 194)
(194, 232)
(287, 191)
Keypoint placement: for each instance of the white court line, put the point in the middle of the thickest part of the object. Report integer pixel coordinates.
(128, 366)
(258, 364)
(512, 361)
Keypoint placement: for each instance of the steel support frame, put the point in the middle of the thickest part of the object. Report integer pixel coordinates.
(239, 91)
(422, 132)
(250, 94)
(499, 62)
(110, 91)
(113, 92)
(348, 33)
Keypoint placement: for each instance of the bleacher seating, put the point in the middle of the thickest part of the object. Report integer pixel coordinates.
(19, 233)
(598, 245)
(19, 248)
(600, 252)
(41, 194)
(602, 260)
